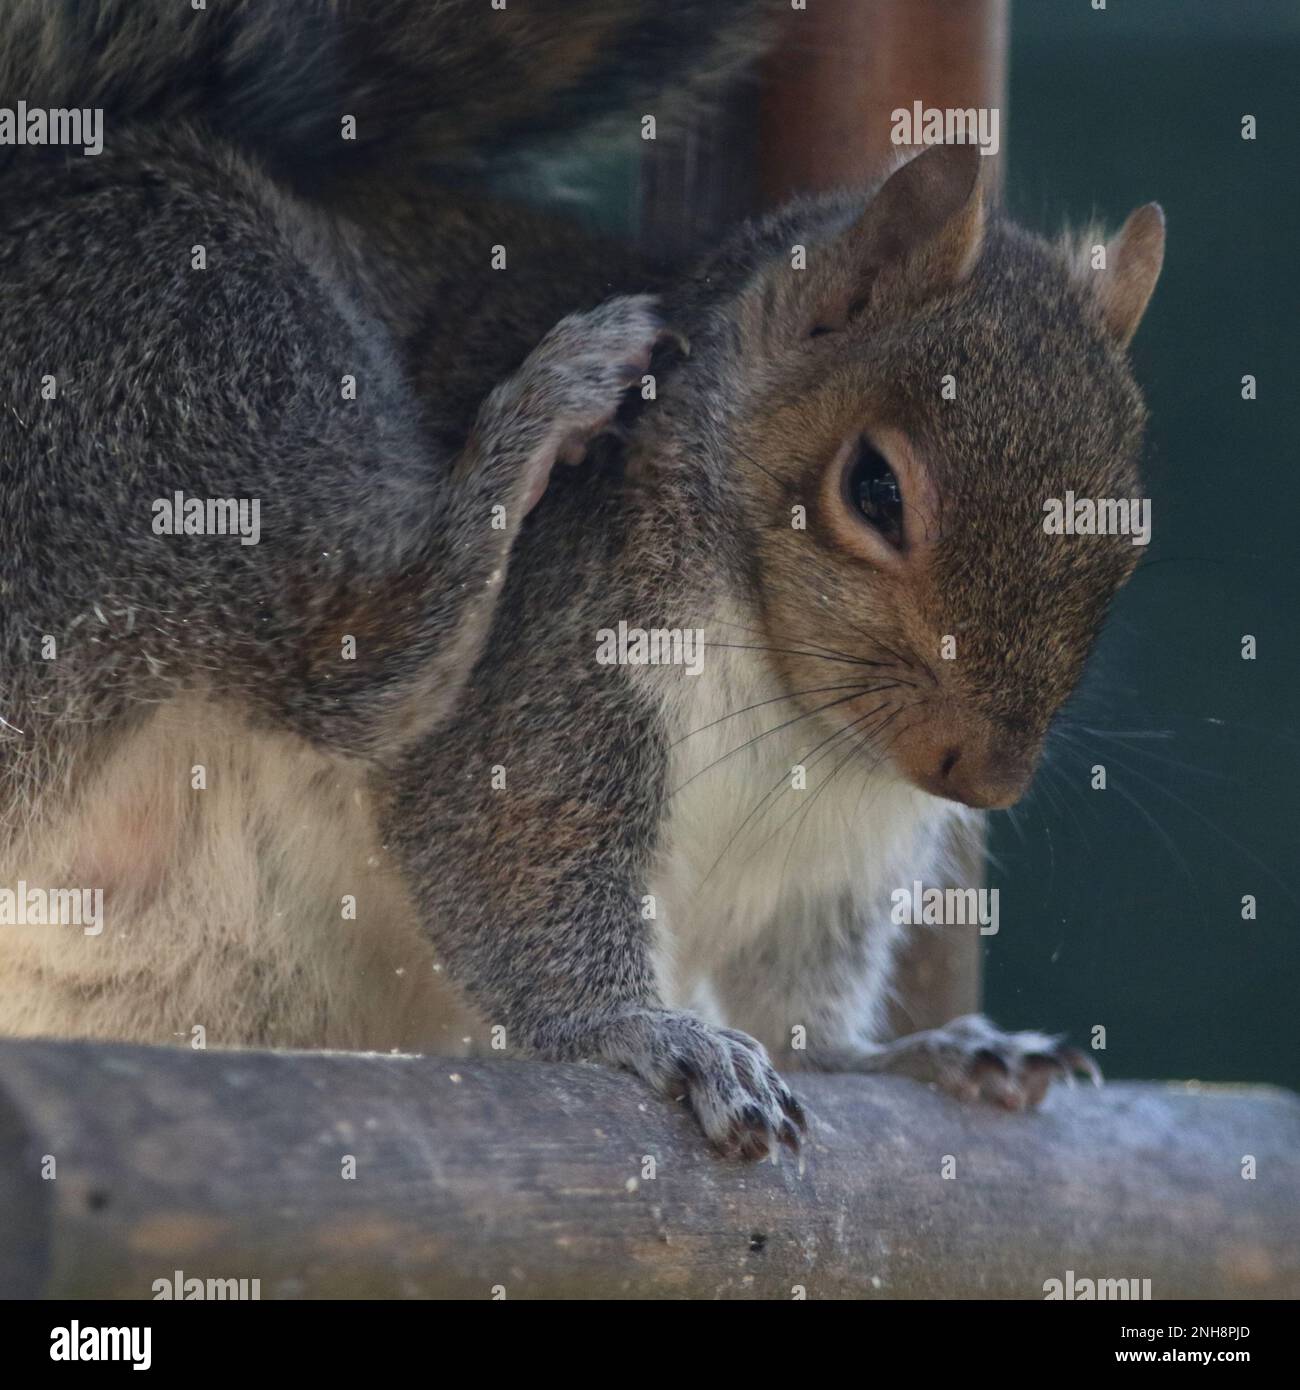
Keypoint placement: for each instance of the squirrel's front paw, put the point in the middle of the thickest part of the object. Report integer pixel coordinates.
(971, 1059)
(742, 1104)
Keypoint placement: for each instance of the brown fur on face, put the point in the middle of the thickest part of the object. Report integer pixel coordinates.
(923, 288)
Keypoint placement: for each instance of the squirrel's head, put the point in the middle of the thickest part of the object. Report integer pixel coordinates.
(911, 392)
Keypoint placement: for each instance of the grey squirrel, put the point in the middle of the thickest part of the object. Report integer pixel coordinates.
(614, 861)
(636, 861)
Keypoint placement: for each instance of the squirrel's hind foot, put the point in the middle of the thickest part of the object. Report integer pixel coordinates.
(971, 1059)
(571, 385)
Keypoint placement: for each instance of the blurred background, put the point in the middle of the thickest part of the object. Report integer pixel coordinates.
(1124, 907)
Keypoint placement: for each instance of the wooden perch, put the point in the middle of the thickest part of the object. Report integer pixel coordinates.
(478, 1175)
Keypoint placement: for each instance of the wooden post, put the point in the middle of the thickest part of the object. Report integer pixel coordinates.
(334, 1175)
(841, 68)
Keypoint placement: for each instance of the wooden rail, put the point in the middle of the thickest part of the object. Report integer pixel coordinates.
(536, 1181)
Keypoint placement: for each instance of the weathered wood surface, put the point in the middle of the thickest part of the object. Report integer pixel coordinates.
(471, 1175)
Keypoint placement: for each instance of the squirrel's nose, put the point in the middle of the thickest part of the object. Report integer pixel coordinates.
(979, 768)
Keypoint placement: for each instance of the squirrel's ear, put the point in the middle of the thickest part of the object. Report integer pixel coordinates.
(929, 216)
(1133, 260)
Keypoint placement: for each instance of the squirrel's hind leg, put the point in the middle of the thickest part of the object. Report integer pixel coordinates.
(821, 1007)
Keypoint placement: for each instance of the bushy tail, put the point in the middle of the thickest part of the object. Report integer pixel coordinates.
(449, 82)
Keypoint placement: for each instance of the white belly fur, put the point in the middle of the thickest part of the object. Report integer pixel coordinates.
(223, 907)
(722, 878)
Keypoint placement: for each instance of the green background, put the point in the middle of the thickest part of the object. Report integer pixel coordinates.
(1123, 907)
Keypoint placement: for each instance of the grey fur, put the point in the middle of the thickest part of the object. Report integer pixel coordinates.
(226, 382)
(534, 892)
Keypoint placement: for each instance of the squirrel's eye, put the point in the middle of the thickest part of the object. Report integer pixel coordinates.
(874, 491)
